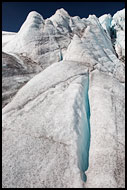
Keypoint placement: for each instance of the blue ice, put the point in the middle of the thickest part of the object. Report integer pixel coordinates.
(84, 135)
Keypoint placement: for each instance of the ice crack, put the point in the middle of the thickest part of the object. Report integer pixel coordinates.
(82, 128)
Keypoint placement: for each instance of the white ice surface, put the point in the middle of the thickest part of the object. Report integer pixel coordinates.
(107, 124)
(43, 125)
(43, 139)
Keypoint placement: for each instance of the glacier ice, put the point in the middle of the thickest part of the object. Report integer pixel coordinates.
(115, 26)
(6, 37)
(105, 21)
(16, 71)
(68, 78)
(65, 126)
(83, 141)
(107, 106)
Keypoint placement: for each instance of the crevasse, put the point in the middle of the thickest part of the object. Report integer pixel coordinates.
(83, 141)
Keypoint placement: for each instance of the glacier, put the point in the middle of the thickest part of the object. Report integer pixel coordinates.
(63, 116)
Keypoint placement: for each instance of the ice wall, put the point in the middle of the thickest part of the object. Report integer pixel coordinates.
(107, 124)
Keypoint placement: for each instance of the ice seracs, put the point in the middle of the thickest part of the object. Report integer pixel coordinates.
(118, 24)
(65, 126)
(33, 22)
(105, 21)
(115, 28)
